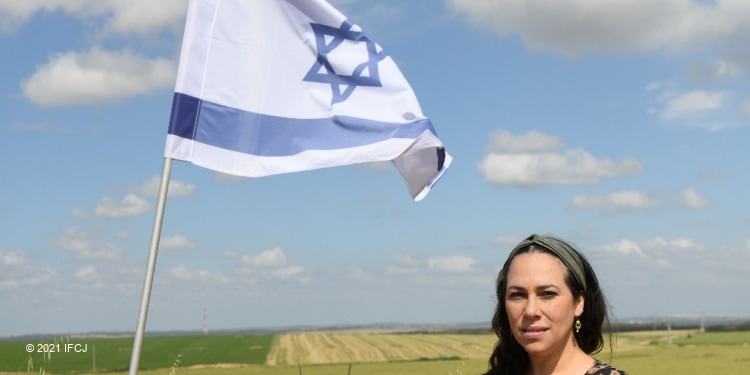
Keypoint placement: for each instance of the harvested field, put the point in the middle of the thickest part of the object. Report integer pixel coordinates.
(319, 348)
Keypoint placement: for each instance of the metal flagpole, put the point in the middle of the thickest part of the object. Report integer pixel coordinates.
(146, 296)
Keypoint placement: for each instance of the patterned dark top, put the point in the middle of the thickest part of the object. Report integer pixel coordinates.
(600, 368)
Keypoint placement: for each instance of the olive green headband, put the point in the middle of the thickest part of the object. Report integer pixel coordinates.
(567, 255)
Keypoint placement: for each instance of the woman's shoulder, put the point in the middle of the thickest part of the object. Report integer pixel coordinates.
(601, 368)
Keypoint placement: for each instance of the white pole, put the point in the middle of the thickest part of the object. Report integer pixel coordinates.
(146, 296)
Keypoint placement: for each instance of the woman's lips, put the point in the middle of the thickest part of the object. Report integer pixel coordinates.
(534, 332)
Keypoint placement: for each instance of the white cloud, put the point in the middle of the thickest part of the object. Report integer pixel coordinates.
(142, 17)
(90, 278)
(655, 85)
(130, 205)
(79, 214)
(575, 167)
(451, 264)
(183, 273)
(287, 272)
(573, 27)
(406, 264)
(78, 242)
(689, 198)
(268, 258)
(626, 200)
(451, 271)
(635, 255)
(746, 107)
(694, 103)
(176, 188)
(405, 259)
(86, 274)
(506, 241)
(396, 270)
(624, 247)
(16, 13)
(662, 244)
(659, 252)
(119, 16)
(358, 274)
(528, 165)
(460, 268)
(708, 36)
(176, 242)
(18, 270)
(134, 204)
(240, 278)
(716, 70)
(13, 259)
(97, 76)
(630, 200)
(502, 141)
(270, 265)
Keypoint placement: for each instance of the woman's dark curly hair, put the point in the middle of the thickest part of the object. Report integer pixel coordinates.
(509, 357)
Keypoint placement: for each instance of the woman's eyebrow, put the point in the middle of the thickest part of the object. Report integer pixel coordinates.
(538, 287)
(547, 286)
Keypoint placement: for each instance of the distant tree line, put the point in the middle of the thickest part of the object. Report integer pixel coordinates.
(663, 326)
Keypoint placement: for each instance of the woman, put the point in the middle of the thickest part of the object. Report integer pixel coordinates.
(549, 312)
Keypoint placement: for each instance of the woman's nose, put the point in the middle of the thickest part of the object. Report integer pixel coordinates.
(531, 308)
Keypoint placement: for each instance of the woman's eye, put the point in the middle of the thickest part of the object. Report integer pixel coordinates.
(514, 295)
(548, 294)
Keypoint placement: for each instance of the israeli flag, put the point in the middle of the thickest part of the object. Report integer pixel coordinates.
(275, 86)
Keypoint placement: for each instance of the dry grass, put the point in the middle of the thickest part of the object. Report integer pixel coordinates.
(319, 348)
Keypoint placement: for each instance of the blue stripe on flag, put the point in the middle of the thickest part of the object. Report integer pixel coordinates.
(184, 115)
(265, 135)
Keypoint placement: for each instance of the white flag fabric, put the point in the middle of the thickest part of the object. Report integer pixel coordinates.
(275, 86)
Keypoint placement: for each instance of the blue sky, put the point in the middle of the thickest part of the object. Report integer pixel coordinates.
(618, 127)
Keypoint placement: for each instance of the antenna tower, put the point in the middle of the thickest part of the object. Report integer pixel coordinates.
(205, 322)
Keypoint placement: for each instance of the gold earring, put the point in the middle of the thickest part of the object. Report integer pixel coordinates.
(578, 325)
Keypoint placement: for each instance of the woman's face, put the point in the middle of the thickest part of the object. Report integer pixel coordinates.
(540, 306)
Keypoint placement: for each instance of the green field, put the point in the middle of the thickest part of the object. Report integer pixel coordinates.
(639, 353)
(113, 354)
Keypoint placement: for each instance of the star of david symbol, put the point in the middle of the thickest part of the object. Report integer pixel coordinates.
(327, 39)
